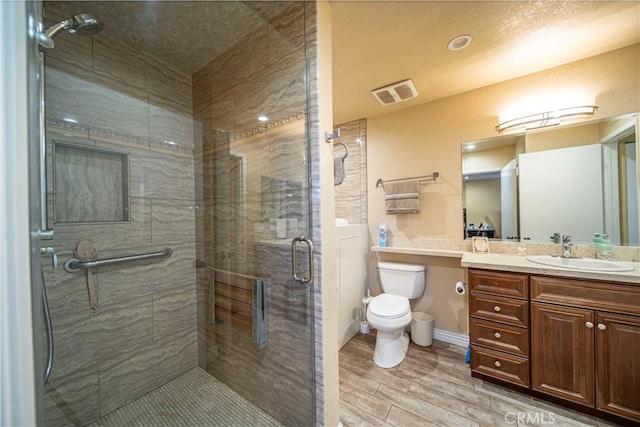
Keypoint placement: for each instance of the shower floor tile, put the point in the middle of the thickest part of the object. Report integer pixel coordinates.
(193, 399)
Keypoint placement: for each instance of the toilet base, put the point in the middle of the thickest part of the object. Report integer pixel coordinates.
(391, 348)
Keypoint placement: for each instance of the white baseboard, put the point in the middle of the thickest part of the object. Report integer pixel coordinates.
(461, 340)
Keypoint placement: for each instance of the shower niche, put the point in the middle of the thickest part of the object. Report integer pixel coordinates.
(90, 185)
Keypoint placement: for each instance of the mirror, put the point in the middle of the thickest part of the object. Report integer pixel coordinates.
(575, 180)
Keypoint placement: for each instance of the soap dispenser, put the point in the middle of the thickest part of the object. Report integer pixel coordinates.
(604, 249)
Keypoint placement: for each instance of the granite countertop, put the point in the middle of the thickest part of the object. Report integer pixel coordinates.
(520, 264)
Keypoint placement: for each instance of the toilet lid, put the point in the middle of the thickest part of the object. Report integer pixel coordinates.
(391, 306)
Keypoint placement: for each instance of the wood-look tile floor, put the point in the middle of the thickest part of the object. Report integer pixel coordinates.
(433, 387)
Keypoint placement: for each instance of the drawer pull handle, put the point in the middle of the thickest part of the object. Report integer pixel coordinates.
(497, 335)
(498, 364)
(602, 326)
(496, 308)
(588, 325)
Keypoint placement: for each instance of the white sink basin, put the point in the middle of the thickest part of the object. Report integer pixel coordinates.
(588, 264)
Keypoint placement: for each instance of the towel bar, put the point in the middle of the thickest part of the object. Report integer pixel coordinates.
(73, 265)
(424, 178)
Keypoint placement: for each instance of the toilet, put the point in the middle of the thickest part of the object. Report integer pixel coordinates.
(389, 313)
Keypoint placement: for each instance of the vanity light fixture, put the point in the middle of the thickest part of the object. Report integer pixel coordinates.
(548, 118)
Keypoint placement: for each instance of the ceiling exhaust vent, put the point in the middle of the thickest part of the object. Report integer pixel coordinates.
(396, 92)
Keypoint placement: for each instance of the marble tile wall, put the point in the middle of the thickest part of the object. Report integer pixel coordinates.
(144, 331)
(351, 195)
(262, 74)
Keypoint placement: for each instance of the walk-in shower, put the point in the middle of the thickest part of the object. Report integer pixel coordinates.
(153, 142)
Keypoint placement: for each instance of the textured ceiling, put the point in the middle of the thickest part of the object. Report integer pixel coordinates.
(381, 42)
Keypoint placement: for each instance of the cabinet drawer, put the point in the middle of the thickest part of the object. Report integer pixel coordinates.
(502, 366)
(507, 310)
(496, 283)
(616, 297)
(498, 336)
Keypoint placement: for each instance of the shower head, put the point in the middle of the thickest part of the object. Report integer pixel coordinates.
(84, 24)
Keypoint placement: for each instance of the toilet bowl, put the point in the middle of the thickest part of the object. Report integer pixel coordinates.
(389, 313)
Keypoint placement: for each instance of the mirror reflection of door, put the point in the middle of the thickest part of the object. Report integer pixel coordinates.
(555, 197)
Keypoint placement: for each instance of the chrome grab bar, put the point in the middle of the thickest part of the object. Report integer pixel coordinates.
(73, 265)
(294, 259)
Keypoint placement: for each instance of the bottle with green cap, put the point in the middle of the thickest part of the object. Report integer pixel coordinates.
(604, 249)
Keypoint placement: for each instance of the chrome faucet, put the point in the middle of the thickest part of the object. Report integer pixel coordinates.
(566, 246)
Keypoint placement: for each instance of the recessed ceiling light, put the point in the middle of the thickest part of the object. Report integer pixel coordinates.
(263, 118)
(459, 42)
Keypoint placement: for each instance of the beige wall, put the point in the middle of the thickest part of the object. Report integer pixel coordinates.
(329, 414)
(427, 138)
(487, 159)
(562, 138)
(482, 198)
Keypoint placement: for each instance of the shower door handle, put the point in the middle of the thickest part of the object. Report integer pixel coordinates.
(294, 259)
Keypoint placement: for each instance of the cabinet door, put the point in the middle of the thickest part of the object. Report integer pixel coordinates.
(562, 353)
(618, 364)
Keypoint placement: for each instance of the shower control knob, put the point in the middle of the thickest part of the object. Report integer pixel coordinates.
(52, 252)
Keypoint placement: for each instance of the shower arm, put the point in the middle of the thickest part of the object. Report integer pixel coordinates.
(53, 30)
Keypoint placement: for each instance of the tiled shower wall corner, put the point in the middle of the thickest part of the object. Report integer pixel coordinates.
(143, 332)
(351, 195)
(263, 73)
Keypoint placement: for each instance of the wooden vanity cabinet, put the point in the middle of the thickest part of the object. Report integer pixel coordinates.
(570, 339)
(587, 351)
(562, 362)
(618, 364)
(499, 326)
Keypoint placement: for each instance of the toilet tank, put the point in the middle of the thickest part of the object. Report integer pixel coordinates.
(406, 280)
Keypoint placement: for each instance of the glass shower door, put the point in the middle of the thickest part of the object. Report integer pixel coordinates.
(257, 324)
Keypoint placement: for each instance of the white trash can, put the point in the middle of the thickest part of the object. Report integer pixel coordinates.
(422, 329)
